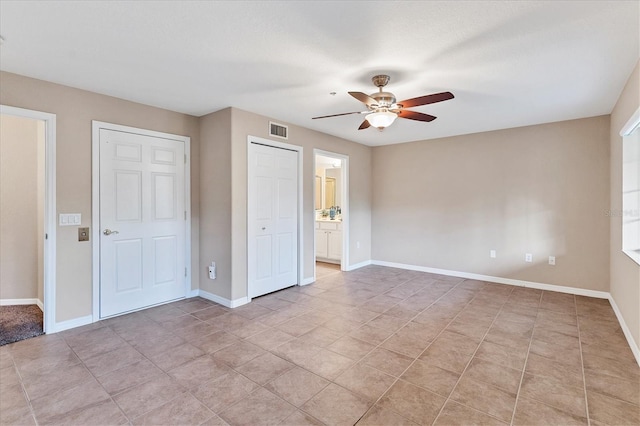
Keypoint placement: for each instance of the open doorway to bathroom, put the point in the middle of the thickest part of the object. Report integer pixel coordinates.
(23, 192)
(331, 212)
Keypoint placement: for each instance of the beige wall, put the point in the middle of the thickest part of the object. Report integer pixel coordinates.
(215, 201)
(625, 273)
(75, 109)
(18, 208)
(224, 195)
(445, 203)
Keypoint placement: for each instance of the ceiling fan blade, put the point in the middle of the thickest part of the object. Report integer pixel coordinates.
(414, 115)
(338, 115)
(365, 124)
(425, 100)
(364, 98)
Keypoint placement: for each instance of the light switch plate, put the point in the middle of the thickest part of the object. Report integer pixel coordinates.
(83, 234)
(70, 219)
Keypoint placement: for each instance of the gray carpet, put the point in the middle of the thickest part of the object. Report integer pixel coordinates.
(19, 322)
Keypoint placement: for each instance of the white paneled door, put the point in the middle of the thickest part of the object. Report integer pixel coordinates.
(142, 220)
(272, 219)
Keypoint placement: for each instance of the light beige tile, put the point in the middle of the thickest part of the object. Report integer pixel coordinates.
(297, 386)
(265, 368)
(351, 347)
(56, 381)
(220, 393)
(183, 410)
(566, 398)
(105, 363)
(431, 377)
(612, 411)
(387, 361)
(532, 412)
(238, 353)
(504, 378)
(377, 416)
(129, 376)
(57, 404)
(102, 413)
(270, 339)
(615, 387)
(337, 406)
(200, 370)
(215, 341)
(365, 381)
(261, 407)
(14, 404)
(485, 397)
(416, 404)
(176, 356)
(458, 414)
(143, 398)
(296, 351)
(507, 357)
(327, 364)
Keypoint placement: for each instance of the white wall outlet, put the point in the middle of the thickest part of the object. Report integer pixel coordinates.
(492, 254)
(552, 260)
(212, 271)
(528, 257)
(358, 244)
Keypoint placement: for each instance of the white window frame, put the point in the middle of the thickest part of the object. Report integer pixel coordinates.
(630, 213)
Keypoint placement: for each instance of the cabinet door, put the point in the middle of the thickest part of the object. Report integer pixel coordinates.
(334, 245)
(321, 243)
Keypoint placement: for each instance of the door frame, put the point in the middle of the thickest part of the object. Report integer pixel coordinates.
(49, 246)
(96, 126)
(300, 151)
(344, 187)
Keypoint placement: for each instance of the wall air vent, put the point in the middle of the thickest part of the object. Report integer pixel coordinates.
(278, 130)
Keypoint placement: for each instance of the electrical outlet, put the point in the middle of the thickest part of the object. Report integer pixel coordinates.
(528, 257)
(212, 271)
(552, 260)
(358, 244)
(492, 254)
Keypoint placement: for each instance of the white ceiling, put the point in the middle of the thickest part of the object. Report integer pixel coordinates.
(509, 64)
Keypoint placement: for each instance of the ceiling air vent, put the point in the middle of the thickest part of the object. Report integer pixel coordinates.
(278, 130)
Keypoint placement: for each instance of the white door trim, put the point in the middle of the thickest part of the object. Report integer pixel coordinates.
(95, 201)
(299, 150)
(344, 178)
(50, 223)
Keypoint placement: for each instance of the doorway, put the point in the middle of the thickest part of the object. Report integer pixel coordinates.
(27, 279)
(331, 212)
(273, 216)
(141, 218)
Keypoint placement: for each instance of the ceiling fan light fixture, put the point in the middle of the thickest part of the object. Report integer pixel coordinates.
(381, 119)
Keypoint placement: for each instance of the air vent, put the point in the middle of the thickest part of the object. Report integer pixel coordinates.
(278, 130)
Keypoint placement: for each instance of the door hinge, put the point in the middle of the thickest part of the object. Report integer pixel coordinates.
(185, 159)
(46, 236)
(185, 272)
(185, 215)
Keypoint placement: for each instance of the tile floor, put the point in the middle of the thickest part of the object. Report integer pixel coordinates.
(377, 346)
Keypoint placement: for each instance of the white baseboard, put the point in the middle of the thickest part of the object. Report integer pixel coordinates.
(222, 301)
(193, 293)
(359, 265)
(499, 280)
(625, 329)
(40, 304)
(6, 302)
(72, 323)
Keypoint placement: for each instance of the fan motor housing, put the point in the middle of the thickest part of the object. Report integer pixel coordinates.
(384, 99)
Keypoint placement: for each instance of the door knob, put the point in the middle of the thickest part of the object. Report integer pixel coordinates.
(109, 232)
(263, 228)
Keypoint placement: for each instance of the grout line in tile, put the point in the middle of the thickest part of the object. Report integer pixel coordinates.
(584, 379)
(524, 366)
(471, 360)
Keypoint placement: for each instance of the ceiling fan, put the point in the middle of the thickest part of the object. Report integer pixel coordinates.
(382, 108)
